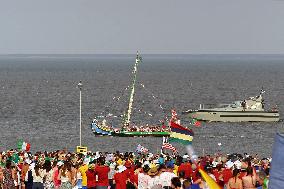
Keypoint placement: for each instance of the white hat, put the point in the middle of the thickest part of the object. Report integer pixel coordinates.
(121, 168)
(185, 156)
(60, 163)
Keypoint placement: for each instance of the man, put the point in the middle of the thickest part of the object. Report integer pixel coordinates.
(102, 174)
(166, 176)
(83, 169)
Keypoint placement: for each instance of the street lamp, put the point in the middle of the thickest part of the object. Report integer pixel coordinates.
(80, 86)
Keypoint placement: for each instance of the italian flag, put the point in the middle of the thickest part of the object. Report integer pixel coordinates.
(23, 146)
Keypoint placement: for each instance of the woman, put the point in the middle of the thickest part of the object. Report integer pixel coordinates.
(8, 174)
(249, 180)
(37, 174)
(65, 176)
(235, 182)
(48, 182)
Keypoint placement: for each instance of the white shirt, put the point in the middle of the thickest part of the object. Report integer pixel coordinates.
(165, 178)
(38, 178)
(143, 180)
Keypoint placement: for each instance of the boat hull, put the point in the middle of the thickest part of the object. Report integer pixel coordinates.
(140, 134)
(235, 116)
(101, 132)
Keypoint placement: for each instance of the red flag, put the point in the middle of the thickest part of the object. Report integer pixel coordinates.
(197, 124)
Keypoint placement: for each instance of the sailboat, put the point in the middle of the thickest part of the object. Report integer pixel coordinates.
(128, 129)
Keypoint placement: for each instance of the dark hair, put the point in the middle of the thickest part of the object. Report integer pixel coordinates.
(181, 174)
(176, 182)
(8, 164)
(235, 172)
(47, 165)
(249, 171)
(37, 167)
(101, 161)
(146, 168)
(186, 184)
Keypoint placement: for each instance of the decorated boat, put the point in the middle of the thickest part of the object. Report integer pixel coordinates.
(127, 128)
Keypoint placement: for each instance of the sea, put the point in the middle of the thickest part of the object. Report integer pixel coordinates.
(39, 99)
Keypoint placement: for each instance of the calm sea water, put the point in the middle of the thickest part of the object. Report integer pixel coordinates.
(40, 99)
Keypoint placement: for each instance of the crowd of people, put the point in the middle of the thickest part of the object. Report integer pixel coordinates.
(129, 170)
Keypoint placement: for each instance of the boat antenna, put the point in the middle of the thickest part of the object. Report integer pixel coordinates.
(132, 91)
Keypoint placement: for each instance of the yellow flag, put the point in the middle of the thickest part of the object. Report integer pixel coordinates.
(209, 180)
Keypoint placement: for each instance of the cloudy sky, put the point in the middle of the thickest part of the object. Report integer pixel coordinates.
(151, 26)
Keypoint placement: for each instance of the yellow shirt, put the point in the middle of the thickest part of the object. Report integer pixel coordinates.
(120, 162)
(175, 169)
(83, 169)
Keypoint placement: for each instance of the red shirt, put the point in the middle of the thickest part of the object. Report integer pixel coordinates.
(91, 178)
(120, 180)
(242, 174)
(186, 168)
(102, 172)
(227, 174)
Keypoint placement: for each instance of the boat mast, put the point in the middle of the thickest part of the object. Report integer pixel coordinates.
(131, 98)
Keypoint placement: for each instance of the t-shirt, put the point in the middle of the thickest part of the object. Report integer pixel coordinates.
(165, 178)
(227, 174)
(186, 168)
(83, 169)
(120, 180)
(91, 178)
(143, 180)
(102, 172)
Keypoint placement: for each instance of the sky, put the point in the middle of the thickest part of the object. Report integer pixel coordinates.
(150, 26)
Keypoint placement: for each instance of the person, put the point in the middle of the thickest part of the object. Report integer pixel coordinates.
(120, 177)
(249, 180)
(102, 171)
(235, 182)
(56, 169)
(48, 181)
(65, 176)
(38, 175)
(83, 169)
(175, 183)
(166, 175)
(91, 177)
(24, 171)
(143, 177)
(29, 177)
(186, 184)
(244, 104)
(186, 167)
(8, 174)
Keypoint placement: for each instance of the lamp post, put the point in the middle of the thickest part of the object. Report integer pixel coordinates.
(80, 86)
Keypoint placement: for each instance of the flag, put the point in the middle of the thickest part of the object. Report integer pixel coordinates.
(174, 116)
(195, 122)
(277, 167)
(23, 146)
(180, 134)
(209, 180)
(141, 149)
(167, 145)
